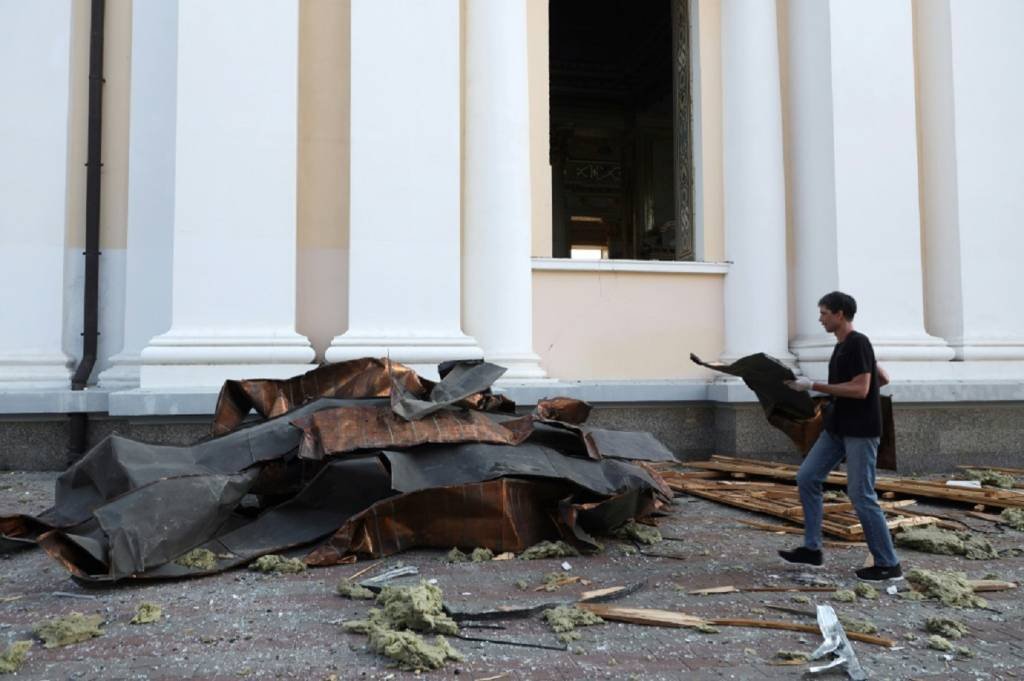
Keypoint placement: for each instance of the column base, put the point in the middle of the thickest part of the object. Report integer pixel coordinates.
(50, 370)
(987, 350)
(123, 373)
(422, 354)
(177, 360)
(523, 368)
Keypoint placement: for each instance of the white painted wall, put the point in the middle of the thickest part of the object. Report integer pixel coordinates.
(34, 140)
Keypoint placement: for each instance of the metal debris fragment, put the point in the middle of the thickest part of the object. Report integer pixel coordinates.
(837, 644)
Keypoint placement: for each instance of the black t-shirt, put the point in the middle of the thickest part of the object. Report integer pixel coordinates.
(849, 416)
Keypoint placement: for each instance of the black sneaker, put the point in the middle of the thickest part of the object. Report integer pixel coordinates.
(803, 556)
(877, 573)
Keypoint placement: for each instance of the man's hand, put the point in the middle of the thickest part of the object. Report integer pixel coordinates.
(800, 383)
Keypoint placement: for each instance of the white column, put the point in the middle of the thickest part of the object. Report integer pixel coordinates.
(233, 286)
(151, 134)
(404, 228)
(34, 176)
(753, 182)
(498, 302)
(854, 182)
(972, 173)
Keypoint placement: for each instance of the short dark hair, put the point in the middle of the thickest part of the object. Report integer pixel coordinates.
(837, 301)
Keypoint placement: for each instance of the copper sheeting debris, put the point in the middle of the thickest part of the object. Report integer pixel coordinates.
(363, 458)
(795, 412)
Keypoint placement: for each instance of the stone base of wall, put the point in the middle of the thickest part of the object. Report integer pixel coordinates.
(930, 438)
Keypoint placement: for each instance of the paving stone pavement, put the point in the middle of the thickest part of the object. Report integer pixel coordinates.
(241, 625)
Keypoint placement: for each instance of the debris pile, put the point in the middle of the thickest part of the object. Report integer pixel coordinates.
(395, 629)
(274, 564)
(565, 618)
(1014, 517)
(349, 589)
(950, 587)
(14, 657)
(945, 542)
(147, 613)
(991, 477)
(357, 459)
(945, 626)
(64, 631)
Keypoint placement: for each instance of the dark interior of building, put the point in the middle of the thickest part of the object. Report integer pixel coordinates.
(612, 150)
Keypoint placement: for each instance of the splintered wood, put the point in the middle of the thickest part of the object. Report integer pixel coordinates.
(932, 489)
(734, 482)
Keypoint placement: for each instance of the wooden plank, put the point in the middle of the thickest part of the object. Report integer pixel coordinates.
(647, 616)
(670, 618)
(991, 585)
(921, 488)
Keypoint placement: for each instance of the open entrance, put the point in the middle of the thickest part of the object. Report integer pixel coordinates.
(620, 129)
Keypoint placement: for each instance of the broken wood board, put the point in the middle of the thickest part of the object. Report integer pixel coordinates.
(783, 501)
(670, 618)
(991, 585)
(934, 489)
(760, 589)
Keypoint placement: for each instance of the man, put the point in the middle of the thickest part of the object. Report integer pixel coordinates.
(853, 428)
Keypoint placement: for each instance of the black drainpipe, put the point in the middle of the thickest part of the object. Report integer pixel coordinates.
(78, 436)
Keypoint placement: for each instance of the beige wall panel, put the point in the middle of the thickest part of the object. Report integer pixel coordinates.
(540, 124)
(626, 325)
(709, 33)
(323, 170)
(77, 124)
(117, 49)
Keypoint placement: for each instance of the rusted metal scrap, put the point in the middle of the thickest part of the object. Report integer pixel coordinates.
(796, 413)
(386, 462)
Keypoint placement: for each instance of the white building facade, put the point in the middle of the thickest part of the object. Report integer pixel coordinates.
(300, 181)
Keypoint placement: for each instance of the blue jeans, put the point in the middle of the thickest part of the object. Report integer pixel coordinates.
(860, 453)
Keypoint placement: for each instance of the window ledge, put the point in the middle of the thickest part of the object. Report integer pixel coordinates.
(652, 266)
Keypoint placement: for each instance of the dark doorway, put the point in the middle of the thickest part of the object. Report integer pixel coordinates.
(615, 118)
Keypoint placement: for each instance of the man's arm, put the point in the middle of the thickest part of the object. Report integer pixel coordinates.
(883, 376)
(857, 388)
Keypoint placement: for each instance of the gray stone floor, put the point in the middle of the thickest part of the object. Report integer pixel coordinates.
(240, 625)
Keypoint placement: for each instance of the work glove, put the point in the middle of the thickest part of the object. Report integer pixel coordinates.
(800, 383)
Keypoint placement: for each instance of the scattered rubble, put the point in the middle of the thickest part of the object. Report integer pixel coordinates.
(946, 627)
(865, 590)
(64, 631)
(549, 549)
(565, 618)
(638, 532)
(478, 555)
(147, 613)
(14, 657)
(792, 655)
(1013, 517)
(950, 587)
(987, 476)
(419, 608)
(409, 649)
(844, 596)
(858, 626)
(406, 610)
(945, 542)
(199, 559)
(275, 564)
(349, 589)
